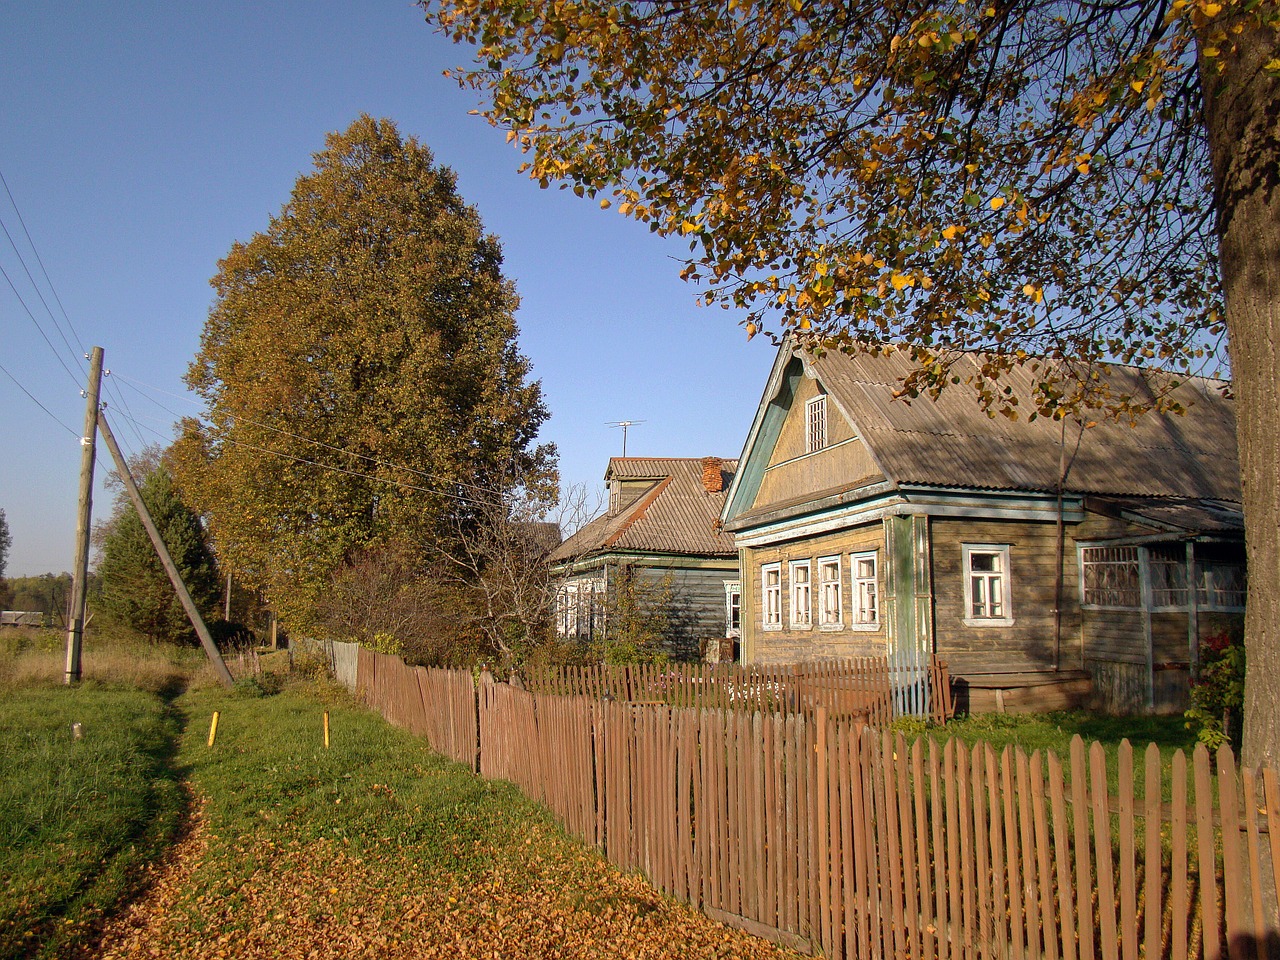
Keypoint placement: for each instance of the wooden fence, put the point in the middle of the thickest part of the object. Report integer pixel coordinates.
(866, 687)
(829, 835)
(439, 705)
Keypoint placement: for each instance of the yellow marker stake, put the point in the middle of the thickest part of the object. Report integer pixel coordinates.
(326, 729)
(213, 728)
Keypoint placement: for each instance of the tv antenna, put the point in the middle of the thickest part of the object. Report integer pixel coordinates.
(624, 424)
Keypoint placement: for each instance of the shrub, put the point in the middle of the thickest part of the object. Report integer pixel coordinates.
(1217, 695)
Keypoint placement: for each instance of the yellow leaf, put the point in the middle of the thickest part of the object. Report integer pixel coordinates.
(751, 330)
(950, 232)
(901, 281)
(997, 203)
(1137, 86)
(1212, 9)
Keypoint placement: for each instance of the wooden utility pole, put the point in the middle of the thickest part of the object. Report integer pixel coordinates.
(75, 616)
(135, 495)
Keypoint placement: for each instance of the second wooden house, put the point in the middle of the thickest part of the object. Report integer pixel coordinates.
(657, 552)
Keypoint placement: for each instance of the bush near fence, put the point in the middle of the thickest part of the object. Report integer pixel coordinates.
(830, 835)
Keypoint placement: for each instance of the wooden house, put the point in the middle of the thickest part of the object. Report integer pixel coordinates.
(660, 542)
(868, 525)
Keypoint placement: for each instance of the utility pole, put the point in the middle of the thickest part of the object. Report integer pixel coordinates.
(75, 617)
(135, 495)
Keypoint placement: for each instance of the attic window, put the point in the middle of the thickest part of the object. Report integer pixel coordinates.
(815, 423)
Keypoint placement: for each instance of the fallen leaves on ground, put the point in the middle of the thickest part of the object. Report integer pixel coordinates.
(317, 899)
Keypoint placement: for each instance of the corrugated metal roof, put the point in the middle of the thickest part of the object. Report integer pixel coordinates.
(674, 515)
(952, 442)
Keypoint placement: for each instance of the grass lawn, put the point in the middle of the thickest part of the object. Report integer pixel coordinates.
(377, 847)
(79, 817)
(371, 847)
(1054, 732)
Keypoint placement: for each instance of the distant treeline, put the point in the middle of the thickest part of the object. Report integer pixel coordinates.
(47, 592)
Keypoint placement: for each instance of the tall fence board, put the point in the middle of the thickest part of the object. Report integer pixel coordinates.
(834, 836)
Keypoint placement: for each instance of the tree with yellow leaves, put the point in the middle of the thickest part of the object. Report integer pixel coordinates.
(1062, 184)
(360, 372)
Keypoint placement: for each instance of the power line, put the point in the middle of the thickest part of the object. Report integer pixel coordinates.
(57, 355)
(319, 443)
(39, 260)
(16, 383)
(279, 454)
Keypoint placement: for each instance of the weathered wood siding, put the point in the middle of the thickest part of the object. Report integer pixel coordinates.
(1116, 635)
(694, 600)
(803, 646)
(792, 472)
(1027, 644)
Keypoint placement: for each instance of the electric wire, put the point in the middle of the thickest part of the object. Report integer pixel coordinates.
(36, 287)
(135, 384)
(39, 260)
(56, 353)
(79, 351)
(17, 383)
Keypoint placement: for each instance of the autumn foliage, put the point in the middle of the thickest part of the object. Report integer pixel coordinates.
(360, 373)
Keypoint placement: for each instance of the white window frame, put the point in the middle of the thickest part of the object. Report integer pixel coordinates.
(830, 616)
(1002, 576)
(580, 609)
(863, 586)
(815, 424)
(770, 597)
(732, 608)
(800, 576)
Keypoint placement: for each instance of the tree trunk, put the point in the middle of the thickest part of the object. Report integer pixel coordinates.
(1242, 115)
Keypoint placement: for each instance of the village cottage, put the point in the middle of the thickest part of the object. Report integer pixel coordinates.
(1046, 564)
(657, 547)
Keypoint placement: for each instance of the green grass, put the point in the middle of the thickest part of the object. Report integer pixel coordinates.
(79, 818)
(1053, 732)
(269, 772)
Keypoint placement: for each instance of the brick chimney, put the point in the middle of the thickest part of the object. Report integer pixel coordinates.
(712, 478)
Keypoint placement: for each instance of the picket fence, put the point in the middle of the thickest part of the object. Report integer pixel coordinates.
(870, 688)
(830, 835)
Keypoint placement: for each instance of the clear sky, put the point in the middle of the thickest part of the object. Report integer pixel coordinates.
(139, 140)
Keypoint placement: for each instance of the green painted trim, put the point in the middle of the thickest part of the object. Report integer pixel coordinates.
(764, 437)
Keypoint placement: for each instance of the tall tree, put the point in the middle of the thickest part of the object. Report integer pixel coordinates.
(1068, 180)
(360, 371)
(136, 591)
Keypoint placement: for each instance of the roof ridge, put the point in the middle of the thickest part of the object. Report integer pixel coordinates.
(638, 512)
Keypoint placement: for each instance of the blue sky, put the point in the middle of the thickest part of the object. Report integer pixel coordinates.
(139, 140)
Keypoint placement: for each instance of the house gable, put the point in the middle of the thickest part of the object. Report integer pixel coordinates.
(777, 466)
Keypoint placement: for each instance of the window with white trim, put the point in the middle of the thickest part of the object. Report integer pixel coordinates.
(580, 609)
(864, 573)
(801, 595)
(830, 609)
(986, 584)
(1111, 577)
(732, 608)
(815, 423)
(771, 596)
